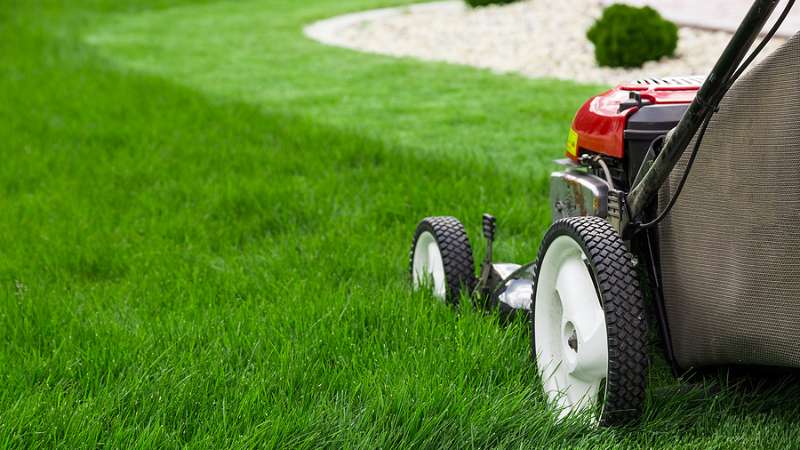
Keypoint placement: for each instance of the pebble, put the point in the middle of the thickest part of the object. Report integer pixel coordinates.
(535, 38)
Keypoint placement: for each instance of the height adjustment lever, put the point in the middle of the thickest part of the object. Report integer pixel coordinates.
(484, 286)
(489, 226)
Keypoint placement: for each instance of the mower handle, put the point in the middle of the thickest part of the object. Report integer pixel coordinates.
(708, 97)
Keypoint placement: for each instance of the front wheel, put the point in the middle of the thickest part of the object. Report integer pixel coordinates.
(589, 329)
(441, 259)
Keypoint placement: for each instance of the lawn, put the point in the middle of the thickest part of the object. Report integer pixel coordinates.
(204, 231)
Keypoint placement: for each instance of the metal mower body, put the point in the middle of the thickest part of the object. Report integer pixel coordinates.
(719, 267)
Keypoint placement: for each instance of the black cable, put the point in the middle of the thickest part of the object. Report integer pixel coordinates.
(767, 37)
(685, 176)
(707, 119)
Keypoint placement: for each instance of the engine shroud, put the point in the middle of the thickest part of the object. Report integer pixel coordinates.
(604, 124)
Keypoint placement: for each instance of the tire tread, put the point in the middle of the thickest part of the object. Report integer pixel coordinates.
(618, 287)
(456, 250)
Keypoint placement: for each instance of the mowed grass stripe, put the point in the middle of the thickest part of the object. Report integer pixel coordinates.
(254, 51)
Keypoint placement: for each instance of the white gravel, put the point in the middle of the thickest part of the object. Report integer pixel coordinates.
(535, 38)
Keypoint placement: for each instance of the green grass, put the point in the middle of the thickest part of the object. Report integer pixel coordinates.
(204, 232)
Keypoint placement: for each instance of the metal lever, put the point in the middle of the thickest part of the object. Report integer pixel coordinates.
(489, 227)
(483, 288)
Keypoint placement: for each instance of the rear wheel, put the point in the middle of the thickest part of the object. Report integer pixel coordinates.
(589, 330)
(441, 259)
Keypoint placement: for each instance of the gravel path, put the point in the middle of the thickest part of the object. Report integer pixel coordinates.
(715, 14)
(535, 38)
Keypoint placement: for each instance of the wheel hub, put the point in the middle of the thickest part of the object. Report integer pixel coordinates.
(569, 328)
(572, 337)
(428, 266)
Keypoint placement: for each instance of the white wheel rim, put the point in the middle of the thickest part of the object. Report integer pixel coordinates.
(569, 329)
(428, 265)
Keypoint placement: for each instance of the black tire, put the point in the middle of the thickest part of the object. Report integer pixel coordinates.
(615, 278)
(456, 252)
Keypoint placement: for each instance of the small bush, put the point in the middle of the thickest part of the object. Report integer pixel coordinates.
(476, 3)
(626, 36)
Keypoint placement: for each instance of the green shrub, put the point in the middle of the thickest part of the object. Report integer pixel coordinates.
(476, 3)
(626, 36)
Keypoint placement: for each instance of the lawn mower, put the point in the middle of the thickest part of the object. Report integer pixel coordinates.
(714, 270)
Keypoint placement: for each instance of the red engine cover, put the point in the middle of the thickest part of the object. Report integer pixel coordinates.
(599, 126)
